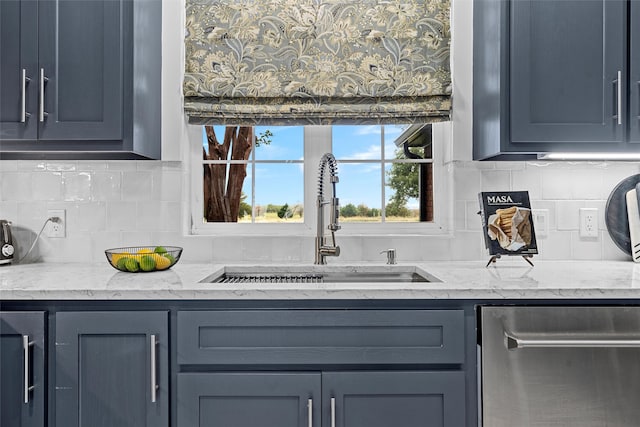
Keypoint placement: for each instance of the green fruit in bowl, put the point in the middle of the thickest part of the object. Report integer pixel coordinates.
(169, 257)
(131, 265)
(147, 263)
(160, 250)
(122, 264)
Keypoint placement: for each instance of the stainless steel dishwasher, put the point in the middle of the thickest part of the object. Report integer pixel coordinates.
(558, 366)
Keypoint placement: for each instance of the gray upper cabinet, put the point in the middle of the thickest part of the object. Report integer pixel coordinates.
(84, 55)
(22, 372)
(112, 369)
(18, 65)
(634, 71)
(553, 76)
(565, 57)
(67, 79)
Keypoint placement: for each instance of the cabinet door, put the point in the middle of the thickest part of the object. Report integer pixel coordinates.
(111, 369)
(83, 47)
(634, 72)
(18, 68)
(392, 399)
(22, 385)
(274, 399)
(566, 59)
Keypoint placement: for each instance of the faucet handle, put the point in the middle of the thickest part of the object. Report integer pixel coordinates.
(391, 255)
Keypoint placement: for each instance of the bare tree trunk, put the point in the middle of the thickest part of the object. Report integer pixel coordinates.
(222, 194)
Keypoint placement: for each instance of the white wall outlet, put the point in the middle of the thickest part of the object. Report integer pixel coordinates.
(588, 222)
(541, 222)
(58, 227)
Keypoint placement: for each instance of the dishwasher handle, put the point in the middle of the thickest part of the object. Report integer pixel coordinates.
(513, 343)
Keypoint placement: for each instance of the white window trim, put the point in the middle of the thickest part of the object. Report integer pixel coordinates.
(317, 141)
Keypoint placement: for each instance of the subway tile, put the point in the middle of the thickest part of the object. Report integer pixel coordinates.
(91, 217)
(8, 166)
(568, 215)
(527, 180)
(496, 180)
(137, 186)
(557, 245)
(77, 186)
(16, 186)
(167, 186)
(46, 185)
(106, 186)
(121, 216)
(586, 248)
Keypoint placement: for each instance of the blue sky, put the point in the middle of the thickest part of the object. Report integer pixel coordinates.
(283, 183)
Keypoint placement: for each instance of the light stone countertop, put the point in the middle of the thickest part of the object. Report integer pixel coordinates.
(507, 279)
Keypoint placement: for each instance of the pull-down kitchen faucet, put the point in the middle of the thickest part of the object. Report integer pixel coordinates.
(324, 250)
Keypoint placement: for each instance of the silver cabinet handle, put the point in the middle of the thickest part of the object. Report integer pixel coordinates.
(23, 100)
(333, 412)
(154, 380)
(513, 343)
(619, 97)
(41, 113)
(26, 344)
(310, 412)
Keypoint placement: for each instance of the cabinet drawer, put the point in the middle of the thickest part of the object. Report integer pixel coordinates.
(285, 337)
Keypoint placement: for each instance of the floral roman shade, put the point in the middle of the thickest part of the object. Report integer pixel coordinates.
(303, 62)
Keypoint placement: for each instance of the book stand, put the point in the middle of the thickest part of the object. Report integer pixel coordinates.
(494, 258)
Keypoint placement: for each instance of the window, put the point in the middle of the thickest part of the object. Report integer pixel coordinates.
(388, 179)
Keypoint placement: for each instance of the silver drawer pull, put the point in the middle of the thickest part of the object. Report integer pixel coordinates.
(41, 113)
(514, 343)
(154, 380)
(333, 412)
(310, 412)
(618, 83)
(23, 94)
(26, 344)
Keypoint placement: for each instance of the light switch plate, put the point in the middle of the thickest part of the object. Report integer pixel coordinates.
(541, 222)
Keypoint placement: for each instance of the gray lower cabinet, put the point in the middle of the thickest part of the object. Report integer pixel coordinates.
(327, 399)
(353, 368)
(391, 399)
(111, 369)
(22, 369)
(248, 399)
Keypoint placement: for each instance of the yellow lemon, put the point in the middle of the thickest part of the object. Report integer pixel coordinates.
(116, 257)
(145, 251)
(162, 263)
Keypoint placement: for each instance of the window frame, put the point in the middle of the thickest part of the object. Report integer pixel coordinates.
(317, 141)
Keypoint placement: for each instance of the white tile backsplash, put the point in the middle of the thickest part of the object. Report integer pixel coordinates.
(125, 203)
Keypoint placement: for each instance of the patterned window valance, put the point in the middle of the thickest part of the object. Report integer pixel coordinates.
(317, 61)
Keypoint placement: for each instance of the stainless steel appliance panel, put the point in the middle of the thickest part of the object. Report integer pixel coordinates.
(560, 366)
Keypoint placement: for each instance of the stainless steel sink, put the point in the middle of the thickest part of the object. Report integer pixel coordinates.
(321, 274)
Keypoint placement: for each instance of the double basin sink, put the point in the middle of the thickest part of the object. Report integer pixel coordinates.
(321, 274)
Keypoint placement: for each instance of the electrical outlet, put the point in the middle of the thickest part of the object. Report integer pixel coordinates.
(57, 228)
(541, 222)
(588, 222)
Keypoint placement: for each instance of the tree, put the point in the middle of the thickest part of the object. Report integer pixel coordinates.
(348, 210)
(404, 178)
(223, 182)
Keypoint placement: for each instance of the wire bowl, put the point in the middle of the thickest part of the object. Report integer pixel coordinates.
(143, 259)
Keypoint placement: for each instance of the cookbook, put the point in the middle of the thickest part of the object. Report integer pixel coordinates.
(507, 223)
